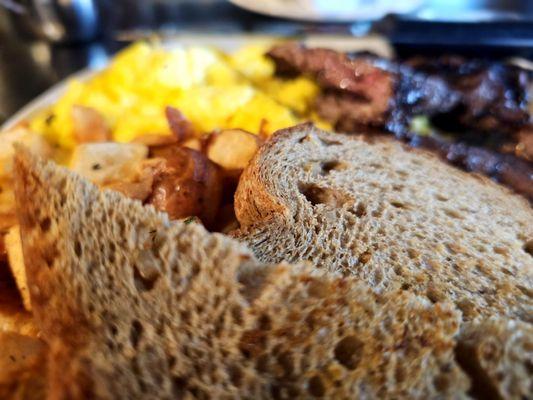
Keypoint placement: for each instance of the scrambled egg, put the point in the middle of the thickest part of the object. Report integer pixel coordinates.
(213, 90)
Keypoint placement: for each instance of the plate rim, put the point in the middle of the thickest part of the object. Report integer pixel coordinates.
(256, 7)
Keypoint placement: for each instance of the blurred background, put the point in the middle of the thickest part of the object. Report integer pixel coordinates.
(44, 41)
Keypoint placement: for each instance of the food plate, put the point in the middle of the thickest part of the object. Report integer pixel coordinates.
(228, 43)
(133, 302)
(328, 10)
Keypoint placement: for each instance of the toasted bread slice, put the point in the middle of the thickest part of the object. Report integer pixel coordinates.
(394, 217)
(136, 306)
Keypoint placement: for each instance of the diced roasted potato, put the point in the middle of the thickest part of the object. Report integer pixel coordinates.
(89, 125)
(16, 263)
(104, 163)
(190, 185)
(232, 149)
(140, 184)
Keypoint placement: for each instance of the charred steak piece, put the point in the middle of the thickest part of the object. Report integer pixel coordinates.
(506, 169)
(494, 96)
(365, 91)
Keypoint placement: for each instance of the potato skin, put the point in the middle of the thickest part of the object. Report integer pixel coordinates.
(189, 185)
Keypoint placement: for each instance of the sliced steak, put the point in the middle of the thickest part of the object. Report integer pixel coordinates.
(362, 90)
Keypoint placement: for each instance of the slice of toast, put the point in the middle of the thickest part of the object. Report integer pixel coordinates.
(394, 217)
(135, 306)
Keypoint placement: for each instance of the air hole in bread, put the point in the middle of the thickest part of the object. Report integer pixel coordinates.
(45, 224)
(50, 255)
(365, 257)
(348, 352)
(264, 322)
(113, 329)
(77, 248)
(376, 166)
(398, 204)
(453, 213)
(482, 386)
(198, 393)
(145, 278)
(306, 138)
(442, 382)
(262, 363)
(235, 375)
(236, 313)
(397, 188)
(316, 387)
(323, 195)
(179, 387)
(136, 331)
(400, 373)
(441, 197)
(528, 292)
(185, 316)
(329, 142)
(360, 210)
(286, 362)
(528, 247)
(252, 343)
(171, 362)
(333, 165)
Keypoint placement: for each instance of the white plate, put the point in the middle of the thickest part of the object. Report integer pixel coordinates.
(329, 10)
(227, 43)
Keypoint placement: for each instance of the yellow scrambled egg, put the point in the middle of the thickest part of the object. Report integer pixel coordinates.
(212, 89)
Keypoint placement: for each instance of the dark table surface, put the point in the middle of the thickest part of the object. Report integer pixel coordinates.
(29, 64)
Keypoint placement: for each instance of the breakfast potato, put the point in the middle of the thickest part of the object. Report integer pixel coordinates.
(89, 125)
(139, 184)
(13, 246)
(232, 149)
(105, 163)
(189, 185)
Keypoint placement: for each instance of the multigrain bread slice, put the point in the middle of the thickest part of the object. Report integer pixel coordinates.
(135, 306)
(497, 354)
(394, 217)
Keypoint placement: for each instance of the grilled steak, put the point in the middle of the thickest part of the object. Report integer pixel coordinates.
(362, 90)
(507, 169)
(493, 95)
